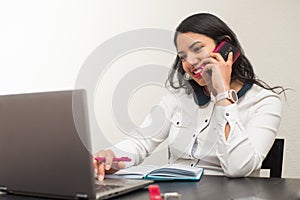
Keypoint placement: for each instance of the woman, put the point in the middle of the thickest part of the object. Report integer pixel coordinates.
(223, 118)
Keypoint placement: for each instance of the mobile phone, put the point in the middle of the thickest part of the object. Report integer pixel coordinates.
(224, 48)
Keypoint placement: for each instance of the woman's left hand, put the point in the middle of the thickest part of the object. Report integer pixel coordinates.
(217, 72)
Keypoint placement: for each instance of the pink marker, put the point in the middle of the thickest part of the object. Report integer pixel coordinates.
(124, 159)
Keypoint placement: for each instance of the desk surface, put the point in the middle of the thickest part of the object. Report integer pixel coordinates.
(218, 187)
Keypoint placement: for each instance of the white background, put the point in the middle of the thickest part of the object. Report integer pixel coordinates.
(43, 45)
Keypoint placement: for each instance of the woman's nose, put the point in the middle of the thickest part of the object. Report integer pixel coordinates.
(192, 59)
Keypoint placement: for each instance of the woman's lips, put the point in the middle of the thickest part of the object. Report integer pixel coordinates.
(198, 71)
(197, 75)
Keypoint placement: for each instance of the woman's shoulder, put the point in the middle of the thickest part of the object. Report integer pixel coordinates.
(177, 93)
(257, 94)
(260, 92)
(176, 97)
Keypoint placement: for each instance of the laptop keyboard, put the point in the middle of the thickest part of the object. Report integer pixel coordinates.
(106, 187)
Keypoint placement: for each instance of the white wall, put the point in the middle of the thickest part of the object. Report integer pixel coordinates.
(43, 45)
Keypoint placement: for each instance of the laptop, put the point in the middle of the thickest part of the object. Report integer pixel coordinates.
(44, 153)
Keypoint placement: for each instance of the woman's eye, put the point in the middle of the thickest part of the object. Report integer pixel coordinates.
(197, 49)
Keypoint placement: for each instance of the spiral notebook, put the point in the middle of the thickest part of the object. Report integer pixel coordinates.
(166, 172)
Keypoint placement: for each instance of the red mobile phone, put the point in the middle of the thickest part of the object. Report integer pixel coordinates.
(224, 48)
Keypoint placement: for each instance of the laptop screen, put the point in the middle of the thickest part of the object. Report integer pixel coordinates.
(40, 144)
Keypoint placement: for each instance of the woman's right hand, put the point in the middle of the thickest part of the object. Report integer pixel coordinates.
(108, 166)
(217, 72)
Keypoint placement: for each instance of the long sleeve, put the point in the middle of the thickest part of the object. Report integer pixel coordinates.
(196, 134)
(248, 143)
(154, 130)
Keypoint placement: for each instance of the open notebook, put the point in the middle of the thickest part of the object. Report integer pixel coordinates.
(166, 172)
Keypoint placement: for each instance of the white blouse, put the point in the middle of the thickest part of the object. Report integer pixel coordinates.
(196, 135)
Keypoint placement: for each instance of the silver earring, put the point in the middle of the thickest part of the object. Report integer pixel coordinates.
(186, 76)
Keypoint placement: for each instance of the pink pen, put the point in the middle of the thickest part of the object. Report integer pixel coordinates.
(124, 159)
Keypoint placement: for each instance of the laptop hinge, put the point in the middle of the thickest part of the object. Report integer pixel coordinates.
(81, 196)
(3, 189)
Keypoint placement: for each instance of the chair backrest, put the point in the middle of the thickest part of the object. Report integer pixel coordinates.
(274, 159)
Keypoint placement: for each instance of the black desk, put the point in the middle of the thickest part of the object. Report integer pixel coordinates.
(219, 188)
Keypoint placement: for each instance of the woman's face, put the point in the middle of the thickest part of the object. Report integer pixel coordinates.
(192, 48)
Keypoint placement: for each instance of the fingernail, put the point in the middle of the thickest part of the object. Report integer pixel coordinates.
(107, 167)
(100, 177)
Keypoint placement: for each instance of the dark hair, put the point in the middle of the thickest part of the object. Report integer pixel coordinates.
(213, 27)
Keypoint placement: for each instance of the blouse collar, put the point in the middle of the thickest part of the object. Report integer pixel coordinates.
(201, 98)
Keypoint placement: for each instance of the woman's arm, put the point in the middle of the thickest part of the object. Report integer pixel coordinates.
(154, 130)
(140, 142)
(246, 145)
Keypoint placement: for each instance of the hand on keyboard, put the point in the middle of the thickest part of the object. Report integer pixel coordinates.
(108, 166)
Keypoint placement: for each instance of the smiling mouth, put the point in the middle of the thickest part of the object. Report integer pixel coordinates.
(198, 71)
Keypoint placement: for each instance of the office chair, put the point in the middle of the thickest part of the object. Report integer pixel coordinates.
(274, 159)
